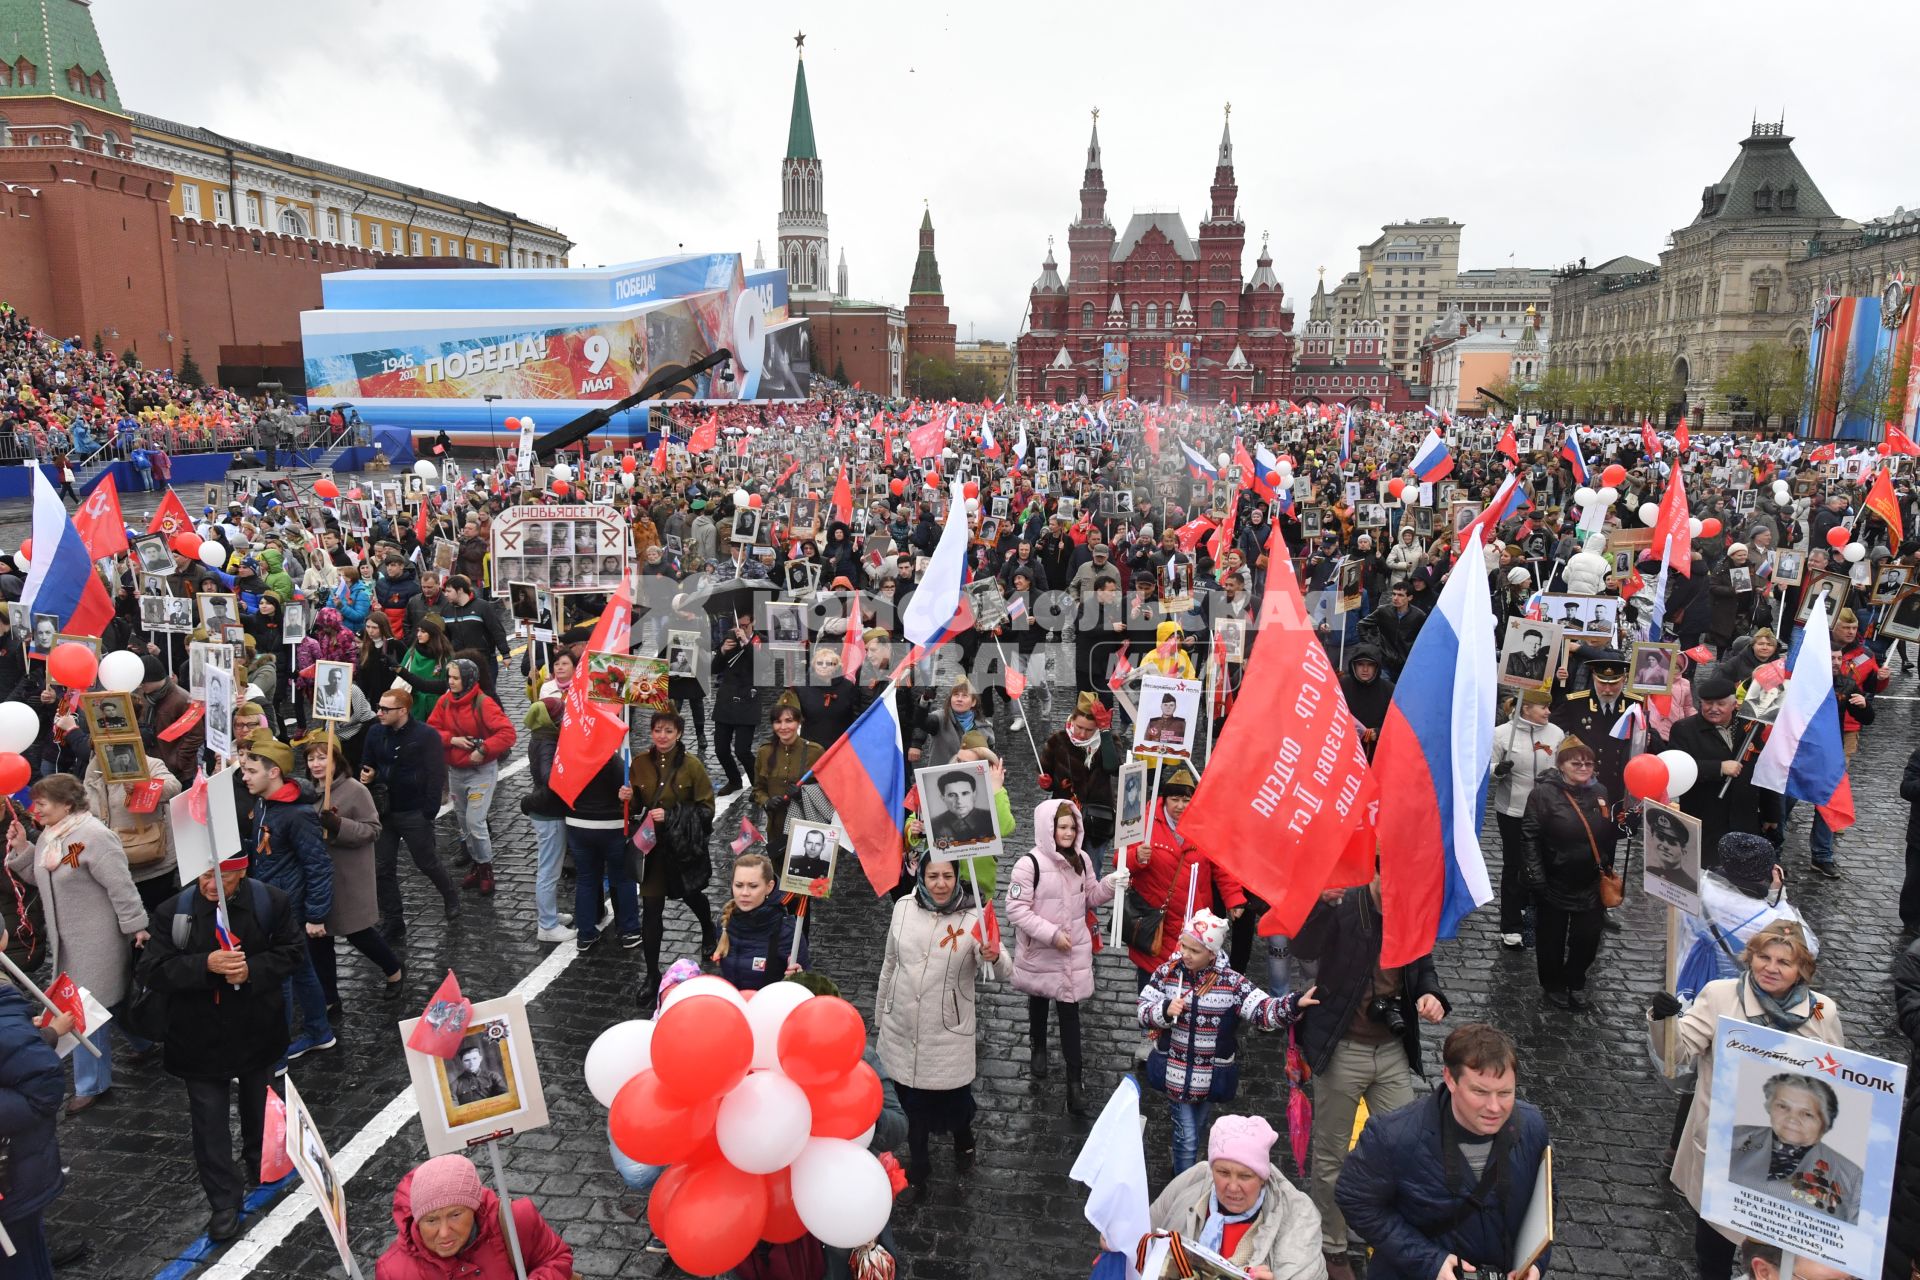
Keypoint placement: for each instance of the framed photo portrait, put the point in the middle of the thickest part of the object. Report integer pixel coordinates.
(803, 578)
(1349, 587)
(45, 635)
(1891, 581)
(178, 614)
(1788, 568)
(333, 691)
(1740, 578)
(1527, 653)
(122, 759)
(1310, 523)
(1581, 613)
(1651, 667)
(108, 713)
(956, 805)
(220, 708)
(786, 625)
(683, 654)
(153, 555)
(1902, 622)
(808, 863)
(490, 1085)
(217, 610)
(523, 601)
(1130, 804)
(989, 603)
(293, 622)
(1672, 845)
(308, 1152)
(1168, 718)
(1834, 586)
(746, 526)
(1233, 637)
(1176, 586)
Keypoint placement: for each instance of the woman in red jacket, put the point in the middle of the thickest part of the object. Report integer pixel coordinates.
(1162, 870)
(450, 1225)
(476, 734)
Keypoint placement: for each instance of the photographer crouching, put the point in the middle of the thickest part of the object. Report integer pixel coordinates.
(1361, 1041)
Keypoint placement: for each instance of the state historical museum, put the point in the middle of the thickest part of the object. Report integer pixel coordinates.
(1154, 313)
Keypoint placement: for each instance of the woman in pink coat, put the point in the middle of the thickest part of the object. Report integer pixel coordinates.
(450, 1228)
(1049, 900)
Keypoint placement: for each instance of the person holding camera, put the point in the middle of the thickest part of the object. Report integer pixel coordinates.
(1362, 1040)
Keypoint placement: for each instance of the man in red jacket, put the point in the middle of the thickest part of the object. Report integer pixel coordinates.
(476, 734)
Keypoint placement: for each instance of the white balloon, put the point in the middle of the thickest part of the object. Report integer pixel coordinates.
(1782, 493)
(741, 497)
(426, 470)
(561, 471)
(1609, 495)
(1682, 772)
(767, 1014)
(19, 726)
(626, 479)
(526, 423)
(973, 505)
(1649, 512)
(841, 1193)
(764, 1121)
(23, 560)
(1694, 525)
(705, 985)
(1854, 552)
(1225, 458)
(620, 1053)
(1584, 496)
(213, 555)
(1286, 466)
(122, 671)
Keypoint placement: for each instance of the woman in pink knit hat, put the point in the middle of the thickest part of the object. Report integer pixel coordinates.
(451, 1225)
(1241, 1206)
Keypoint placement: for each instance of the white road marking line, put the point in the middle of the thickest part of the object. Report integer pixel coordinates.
(269, 1233)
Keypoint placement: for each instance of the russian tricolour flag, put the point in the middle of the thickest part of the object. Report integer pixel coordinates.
(1804, 758)
(1432, 460)
(62, 581)
(1346, 433)
(1570, 450)
(1432, 757)
(864, 776)
(1197, 465)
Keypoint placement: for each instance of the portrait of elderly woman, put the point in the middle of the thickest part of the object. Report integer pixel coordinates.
(1788, 1156)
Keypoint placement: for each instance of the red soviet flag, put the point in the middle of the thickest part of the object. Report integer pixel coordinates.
(170, 517)
(443, 1022)
(99, 522)
(1673, 531)
(590, 732)
(1285, 804)
(843, 497)
(705, 436)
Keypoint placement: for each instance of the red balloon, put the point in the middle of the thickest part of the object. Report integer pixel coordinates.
(629, 464)
(754, 501)
(15, 772)
(26, 547)
(355, 493)
(1646, 777)
(897, 487)
(1395, 488)
(706, 1048)
(72, 665)
(559, 488)
(1839, 536)
(325, 488)
(783, 1220)
(1884, 448)
(1710, 528)
(187, 543)
(849, 1106)
(1614, 476)
(970, 489)
(512, 424)
(661, 1199)
(717, 1214)
(820, 1041)
(654, 1128)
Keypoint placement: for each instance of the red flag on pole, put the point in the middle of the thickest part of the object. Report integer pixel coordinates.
(927, 440)
(1680, 435)
(65, 994)
(843, 497)
(1648, 440)
(171, 517)
(660, 456)
(591, 732)
(99, 522)
(444, 1021)
(705, 436)
(1285, 804)
(1676, 523)
(420, 524)
(1508, 445)
(1899, 441)
(1882, 502)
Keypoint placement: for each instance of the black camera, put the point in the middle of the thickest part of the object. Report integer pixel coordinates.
(1385, 1010)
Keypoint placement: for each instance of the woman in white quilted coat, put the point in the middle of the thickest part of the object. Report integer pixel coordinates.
(937, 947)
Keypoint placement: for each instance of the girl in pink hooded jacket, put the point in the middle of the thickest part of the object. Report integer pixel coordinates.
(1049, 897)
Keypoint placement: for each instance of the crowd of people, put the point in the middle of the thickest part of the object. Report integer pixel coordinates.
(1105, 544)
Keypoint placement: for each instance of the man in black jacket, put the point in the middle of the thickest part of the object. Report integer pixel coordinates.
(1714, 738)
(1393, 627)
(473, 629)
(225, 1018)
(1361, 1041)
(407, 758)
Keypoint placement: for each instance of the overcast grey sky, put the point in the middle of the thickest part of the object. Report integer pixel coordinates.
(1551, 130)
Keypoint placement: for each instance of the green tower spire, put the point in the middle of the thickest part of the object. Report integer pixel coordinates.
(800, 127)
(44, 43)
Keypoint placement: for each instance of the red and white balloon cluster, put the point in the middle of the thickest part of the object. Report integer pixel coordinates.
(763, 1108)
(1664, 776)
